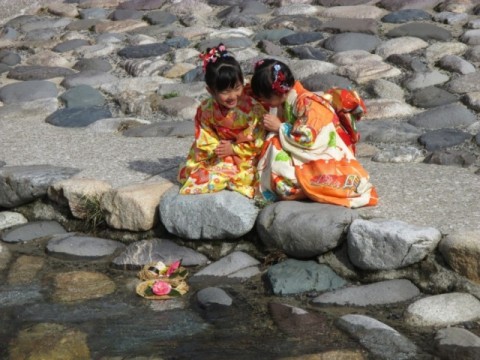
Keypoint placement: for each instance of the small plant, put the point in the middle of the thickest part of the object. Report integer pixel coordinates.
(93, 214)
(170, 95)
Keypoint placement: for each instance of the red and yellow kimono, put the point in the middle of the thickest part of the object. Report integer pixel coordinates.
(204, 172)
(312, 155)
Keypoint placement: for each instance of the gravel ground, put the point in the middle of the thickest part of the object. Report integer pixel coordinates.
(440, 196)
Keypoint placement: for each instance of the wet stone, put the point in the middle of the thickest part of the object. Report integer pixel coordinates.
(80, 286)
(34, 72)
(432, 96)
(144, 252)
(301, 38)
(293, 277)
(31, 231)
(423, 31)
(70, 45)
(50, 341)
(78, 117)
(406, 15)
(351, 41)
(379, 293)
(446, 116)
(443, 138)
(27, 91)
(143, 51)
(82, 247)
(82, 96)
(20, 295)
(25, 270)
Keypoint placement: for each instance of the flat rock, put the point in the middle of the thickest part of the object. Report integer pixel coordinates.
(351, 41)
(456, 342)
(380, 293)
(446, 116)
(380, 339)
(31, 231)
(420, 30)
(23, 184)
(82, 247)
(82, 96)
(27, 91)
(443, 138)
(443, 310)
(78, 116)
(144, 252)
(294, 276)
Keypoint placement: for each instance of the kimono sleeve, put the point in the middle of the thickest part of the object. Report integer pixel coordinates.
(249, 142)
(206, 137)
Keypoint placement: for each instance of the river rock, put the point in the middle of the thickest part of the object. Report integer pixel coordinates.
(77, 286)
(380, 339)
(231, 215)
(11, 218)
(50, 341)
(380, 293)
(443, 138)
(446, 116)
(145, 252)
(27, 91)
(23, 184)
(25, 270)
(443, 310)
(31, 231)
(235, 266)
(389, 244)
(133, 207)
(78, 247)
(313, 228)
(213, 296)
(78, 116)
(293, 277)
(456, 342)
(461, 251)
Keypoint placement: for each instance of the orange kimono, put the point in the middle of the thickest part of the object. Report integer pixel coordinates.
(203, 171)
(312, 157)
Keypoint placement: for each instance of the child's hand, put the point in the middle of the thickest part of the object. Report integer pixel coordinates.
(224, 149)
(271, 122)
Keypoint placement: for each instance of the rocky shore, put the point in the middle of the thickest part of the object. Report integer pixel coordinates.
(97, 105)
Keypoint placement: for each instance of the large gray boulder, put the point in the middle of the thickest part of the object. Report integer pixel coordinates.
(303, 229)
(222, 215)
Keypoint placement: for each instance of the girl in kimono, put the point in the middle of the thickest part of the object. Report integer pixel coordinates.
(309, 152)
(228, 132)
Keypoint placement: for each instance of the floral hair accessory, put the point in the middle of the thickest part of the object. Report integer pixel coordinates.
(161, 290)
(211, 55)
(258, 63)
(278, 80)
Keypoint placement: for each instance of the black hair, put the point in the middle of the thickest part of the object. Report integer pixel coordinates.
(223, 73)
(263, 78)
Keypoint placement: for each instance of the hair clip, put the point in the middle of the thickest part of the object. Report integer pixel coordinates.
(278, 80)
(258, 63)
(211, 55)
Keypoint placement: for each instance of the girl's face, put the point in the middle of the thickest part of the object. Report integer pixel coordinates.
(228, 98)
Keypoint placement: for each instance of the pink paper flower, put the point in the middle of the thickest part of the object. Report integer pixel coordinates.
(160, 288)
(173, 267)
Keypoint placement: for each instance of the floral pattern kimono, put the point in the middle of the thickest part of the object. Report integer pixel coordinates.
(313, 156)
(203, 171)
